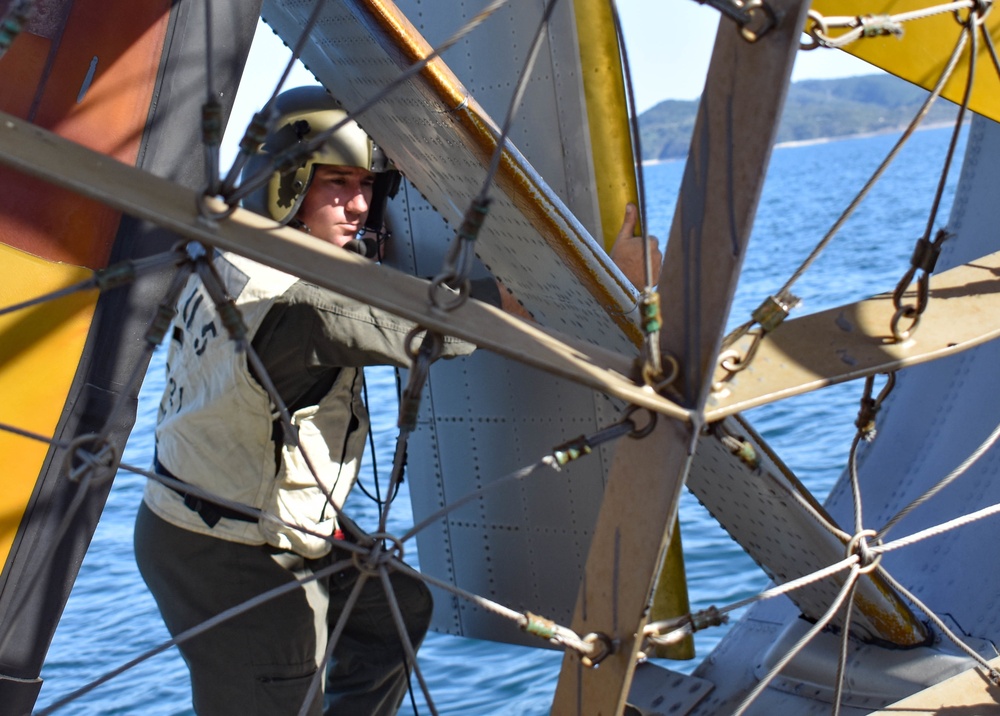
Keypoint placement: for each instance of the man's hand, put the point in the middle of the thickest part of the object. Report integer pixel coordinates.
(627, 251)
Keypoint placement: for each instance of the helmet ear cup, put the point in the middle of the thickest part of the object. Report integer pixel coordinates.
(286, 192)
(386, 186)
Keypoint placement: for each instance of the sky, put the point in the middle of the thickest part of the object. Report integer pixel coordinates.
(669, 43)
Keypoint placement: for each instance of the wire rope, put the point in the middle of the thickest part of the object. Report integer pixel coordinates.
(397, 617)
(943, 483)
(338, 629)
(815, 629)
(636, 136)
(880, 170)
(845, 641)
(938, 529)
(945, 629)
(377, 497)
(863, 26)
(211, 112)
(103, 279)
(649, 300)
(782, 301)
(517, 97)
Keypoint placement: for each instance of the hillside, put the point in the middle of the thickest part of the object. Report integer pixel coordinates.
(815, 109)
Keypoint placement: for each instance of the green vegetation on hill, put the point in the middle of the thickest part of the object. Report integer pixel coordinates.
(815, 109)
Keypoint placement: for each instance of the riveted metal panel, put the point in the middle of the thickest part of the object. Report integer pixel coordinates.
(483, 417)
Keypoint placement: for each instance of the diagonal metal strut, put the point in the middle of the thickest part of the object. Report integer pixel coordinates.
(735, 130)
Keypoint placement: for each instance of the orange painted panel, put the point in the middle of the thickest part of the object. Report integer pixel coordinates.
(21, 72)
(97, 92)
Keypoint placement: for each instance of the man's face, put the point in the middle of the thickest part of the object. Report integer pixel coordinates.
(336, 205)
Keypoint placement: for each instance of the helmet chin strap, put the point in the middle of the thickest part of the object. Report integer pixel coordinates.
(296, 223)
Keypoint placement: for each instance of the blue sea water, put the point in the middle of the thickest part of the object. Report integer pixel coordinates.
(110, 618)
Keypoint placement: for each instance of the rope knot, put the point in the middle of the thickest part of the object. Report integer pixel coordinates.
(382, 552)
(92, 456)
(706, 618)
(868, 559)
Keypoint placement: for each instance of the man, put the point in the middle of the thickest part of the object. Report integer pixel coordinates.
(218, 429)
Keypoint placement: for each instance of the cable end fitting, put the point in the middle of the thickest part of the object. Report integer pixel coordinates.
(539, 626)
(571, 450)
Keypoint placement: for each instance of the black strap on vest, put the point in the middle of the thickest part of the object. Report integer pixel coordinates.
(210, 512)
(312, 396)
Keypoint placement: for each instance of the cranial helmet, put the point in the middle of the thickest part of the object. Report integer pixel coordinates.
(303, 113)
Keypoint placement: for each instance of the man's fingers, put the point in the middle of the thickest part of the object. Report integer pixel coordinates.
(629, 222)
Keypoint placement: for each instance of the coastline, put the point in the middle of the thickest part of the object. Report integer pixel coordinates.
(824, 140)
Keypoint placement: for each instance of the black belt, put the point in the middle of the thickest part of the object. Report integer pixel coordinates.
(210, 512)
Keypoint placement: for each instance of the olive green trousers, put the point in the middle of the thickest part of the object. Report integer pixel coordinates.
(263, 660)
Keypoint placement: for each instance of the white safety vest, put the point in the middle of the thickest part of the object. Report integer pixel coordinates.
(215, 424)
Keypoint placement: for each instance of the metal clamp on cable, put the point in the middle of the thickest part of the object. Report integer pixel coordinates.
(924, 260)
(770, 314)
(755, 17)
(422, 357)
(865, 422)
(571, 450)
(450, 288)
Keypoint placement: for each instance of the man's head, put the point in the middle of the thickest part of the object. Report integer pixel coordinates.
(330, 194)
(337, 202)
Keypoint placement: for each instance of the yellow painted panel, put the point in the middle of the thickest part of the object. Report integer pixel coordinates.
(922, 52)
(611, 148)
(607, 107)
(40, 348)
